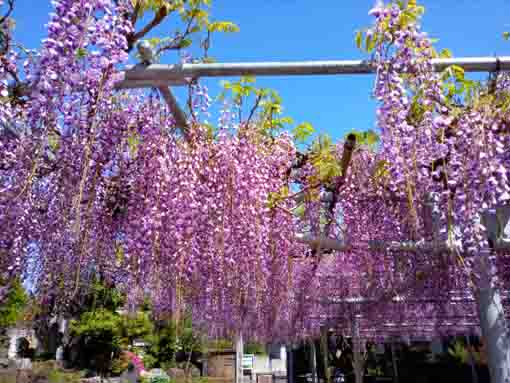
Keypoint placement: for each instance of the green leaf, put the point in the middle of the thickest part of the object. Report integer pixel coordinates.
(81, 53)
(286, 120)
(506, 35)
(53, 141)
(371, 138)
(225, 84)
(303, 131)
(133, 142)
(370, 42)
(248, 79)
(359, 36)
(154, 41)
(185, 43)
(446, 53)
(223, 26)
(380, 171)
(458, 72)
(12, 307)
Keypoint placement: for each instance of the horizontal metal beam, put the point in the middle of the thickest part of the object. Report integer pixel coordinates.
(322, 242)
(397, 299)
(134, 84)
(178, 72)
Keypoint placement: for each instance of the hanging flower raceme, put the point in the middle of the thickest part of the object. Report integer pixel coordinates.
(401, 207)
(69, 119)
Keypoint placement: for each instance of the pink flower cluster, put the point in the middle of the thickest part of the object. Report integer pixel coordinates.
(136, 360)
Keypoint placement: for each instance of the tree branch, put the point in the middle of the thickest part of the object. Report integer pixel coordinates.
(349, 146)
(252, 111)
(158, 19)
(136, 10)
(179, 116)
(176, 42)
(10, 5)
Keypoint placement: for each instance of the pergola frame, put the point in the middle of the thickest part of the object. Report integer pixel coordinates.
(156, 75)
(161, 76)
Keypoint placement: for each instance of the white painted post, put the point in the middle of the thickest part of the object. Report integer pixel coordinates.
(239, 358)
(492, 318)
(493, 324)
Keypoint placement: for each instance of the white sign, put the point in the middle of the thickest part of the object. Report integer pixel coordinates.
(139, 343)
(247, 363)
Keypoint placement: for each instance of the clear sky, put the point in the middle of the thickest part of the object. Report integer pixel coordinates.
(274, 30)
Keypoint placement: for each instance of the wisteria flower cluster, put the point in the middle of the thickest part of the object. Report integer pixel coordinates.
(97, 185)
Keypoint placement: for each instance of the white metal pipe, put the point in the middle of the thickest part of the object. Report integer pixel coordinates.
(492, 315)
(322, 242)
(134, 84)
(333, 244)
(175, 109)
(179, 72)
(493, 324)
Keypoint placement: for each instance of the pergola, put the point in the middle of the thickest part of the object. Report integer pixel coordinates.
(164, 76)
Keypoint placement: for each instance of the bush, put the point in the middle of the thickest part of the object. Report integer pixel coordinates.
(47, 371)
(44, 356)
(11, 309)
(159, 379)
(120, 364)
(149, 361)
(255, 348)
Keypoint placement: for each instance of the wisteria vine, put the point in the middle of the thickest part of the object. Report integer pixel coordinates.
(95, 184)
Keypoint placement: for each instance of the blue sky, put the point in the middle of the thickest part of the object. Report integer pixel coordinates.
(274, 30)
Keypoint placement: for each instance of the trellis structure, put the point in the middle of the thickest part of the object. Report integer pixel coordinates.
(156, 75)
(162, 76)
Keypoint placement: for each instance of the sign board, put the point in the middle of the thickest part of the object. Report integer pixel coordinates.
(158, 372)
(247, 363)
(139, 343)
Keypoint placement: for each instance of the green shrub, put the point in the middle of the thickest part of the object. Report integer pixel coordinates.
(44, 356)
(149, 361)
(120, 364)
(255, 348)
(8, 377)
(57, 376)
(11, 309)
(159, 379)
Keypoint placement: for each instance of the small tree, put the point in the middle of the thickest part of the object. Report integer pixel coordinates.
(100, 337)
(11, 311)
